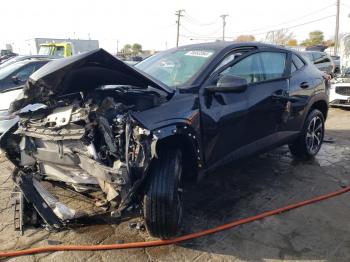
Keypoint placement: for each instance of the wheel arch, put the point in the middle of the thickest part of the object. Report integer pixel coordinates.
(186, 140)
(322, 106)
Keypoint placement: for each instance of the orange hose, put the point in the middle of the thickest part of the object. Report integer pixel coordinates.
(175, 240)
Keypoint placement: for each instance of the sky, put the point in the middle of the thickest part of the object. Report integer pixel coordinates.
(152, 23)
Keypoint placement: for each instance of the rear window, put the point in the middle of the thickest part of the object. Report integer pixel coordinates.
(297, 62)
(317, 56)
(308, 56)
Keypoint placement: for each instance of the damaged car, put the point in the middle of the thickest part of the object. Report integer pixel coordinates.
(131, 137)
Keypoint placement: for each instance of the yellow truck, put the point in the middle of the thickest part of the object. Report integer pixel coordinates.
(59, 47)
(63, 49)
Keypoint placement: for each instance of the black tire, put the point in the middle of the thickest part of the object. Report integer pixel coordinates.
(310, 140)
(162, 203)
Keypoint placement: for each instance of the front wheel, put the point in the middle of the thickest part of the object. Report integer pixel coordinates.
(310, 140)
(162, 204)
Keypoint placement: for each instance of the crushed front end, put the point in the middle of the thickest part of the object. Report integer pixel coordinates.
(86, 143)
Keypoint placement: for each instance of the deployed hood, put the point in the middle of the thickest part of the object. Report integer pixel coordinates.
(83, 72)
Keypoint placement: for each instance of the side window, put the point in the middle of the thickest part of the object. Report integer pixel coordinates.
(249, 68)
(229, 59)
(273, 64)
(309, 56)
(259, 67)
(317, 58)
(297, 61)
(324, 59)
(293, 68)
(24, 73)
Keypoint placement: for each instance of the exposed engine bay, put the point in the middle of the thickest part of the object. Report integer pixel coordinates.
(89, 143)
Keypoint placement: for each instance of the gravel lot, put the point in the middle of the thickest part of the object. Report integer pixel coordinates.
(320, 232)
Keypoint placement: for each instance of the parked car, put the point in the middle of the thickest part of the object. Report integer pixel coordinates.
(17, 74)
(6, 54)
(19, 58)
(339, 93)
(132, 136)
(321, 60)
(12, 80)
(336, 61)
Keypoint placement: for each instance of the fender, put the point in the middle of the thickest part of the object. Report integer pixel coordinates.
(181, 130)
(317, 97)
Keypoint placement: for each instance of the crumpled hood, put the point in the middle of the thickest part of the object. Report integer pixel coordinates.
(83, 72)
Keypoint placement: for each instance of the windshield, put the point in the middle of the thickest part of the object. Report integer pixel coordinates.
(44, 50)
(175, 68)
(6, 71)
(59, 51)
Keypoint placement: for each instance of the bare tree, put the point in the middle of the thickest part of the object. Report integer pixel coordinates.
(279, 37)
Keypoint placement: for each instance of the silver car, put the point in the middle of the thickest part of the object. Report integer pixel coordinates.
(321, 60)
(339, 93)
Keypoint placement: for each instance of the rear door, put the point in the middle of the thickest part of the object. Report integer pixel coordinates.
(246, 122)
(303, 80)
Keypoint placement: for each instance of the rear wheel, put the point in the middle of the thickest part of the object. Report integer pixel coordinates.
(162, 203)
(310, 140)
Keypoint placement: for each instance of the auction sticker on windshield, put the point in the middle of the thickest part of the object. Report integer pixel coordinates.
(200, 53)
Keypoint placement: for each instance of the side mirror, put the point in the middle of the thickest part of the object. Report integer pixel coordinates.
(229, 84)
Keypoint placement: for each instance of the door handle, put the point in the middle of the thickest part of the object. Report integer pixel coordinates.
(304, 85)
(283, 98)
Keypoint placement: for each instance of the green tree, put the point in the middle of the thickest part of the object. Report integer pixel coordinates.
(136, 49)
(127, 50)
(315, 38)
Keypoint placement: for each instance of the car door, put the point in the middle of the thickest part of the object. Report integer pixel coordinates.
(267, 100)
(302, 85)
(238, 124)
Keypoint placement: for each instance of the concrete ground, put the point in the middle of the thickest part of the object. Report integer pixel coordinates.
(320, 232)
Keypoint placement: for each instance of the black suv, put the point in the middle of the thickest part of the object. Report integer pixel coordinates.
(130, 136)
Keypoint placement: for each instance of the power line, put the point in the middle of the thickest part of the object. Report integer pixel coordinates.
(345, 5)
(200, 35)
(196, 21)
(298, 25)
(290, 27)
(286, 22)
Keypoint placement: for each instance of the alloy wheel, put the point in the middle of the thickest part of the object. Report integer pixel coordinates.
(314, 135)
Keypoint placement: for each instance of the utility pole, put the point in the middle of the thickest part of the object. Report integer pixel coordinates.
(336, 37)
(223, 26)
(179, 15)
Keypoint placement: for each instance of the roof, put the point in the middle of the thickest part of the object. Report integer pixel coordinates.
(34, 57)
(229, 44)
